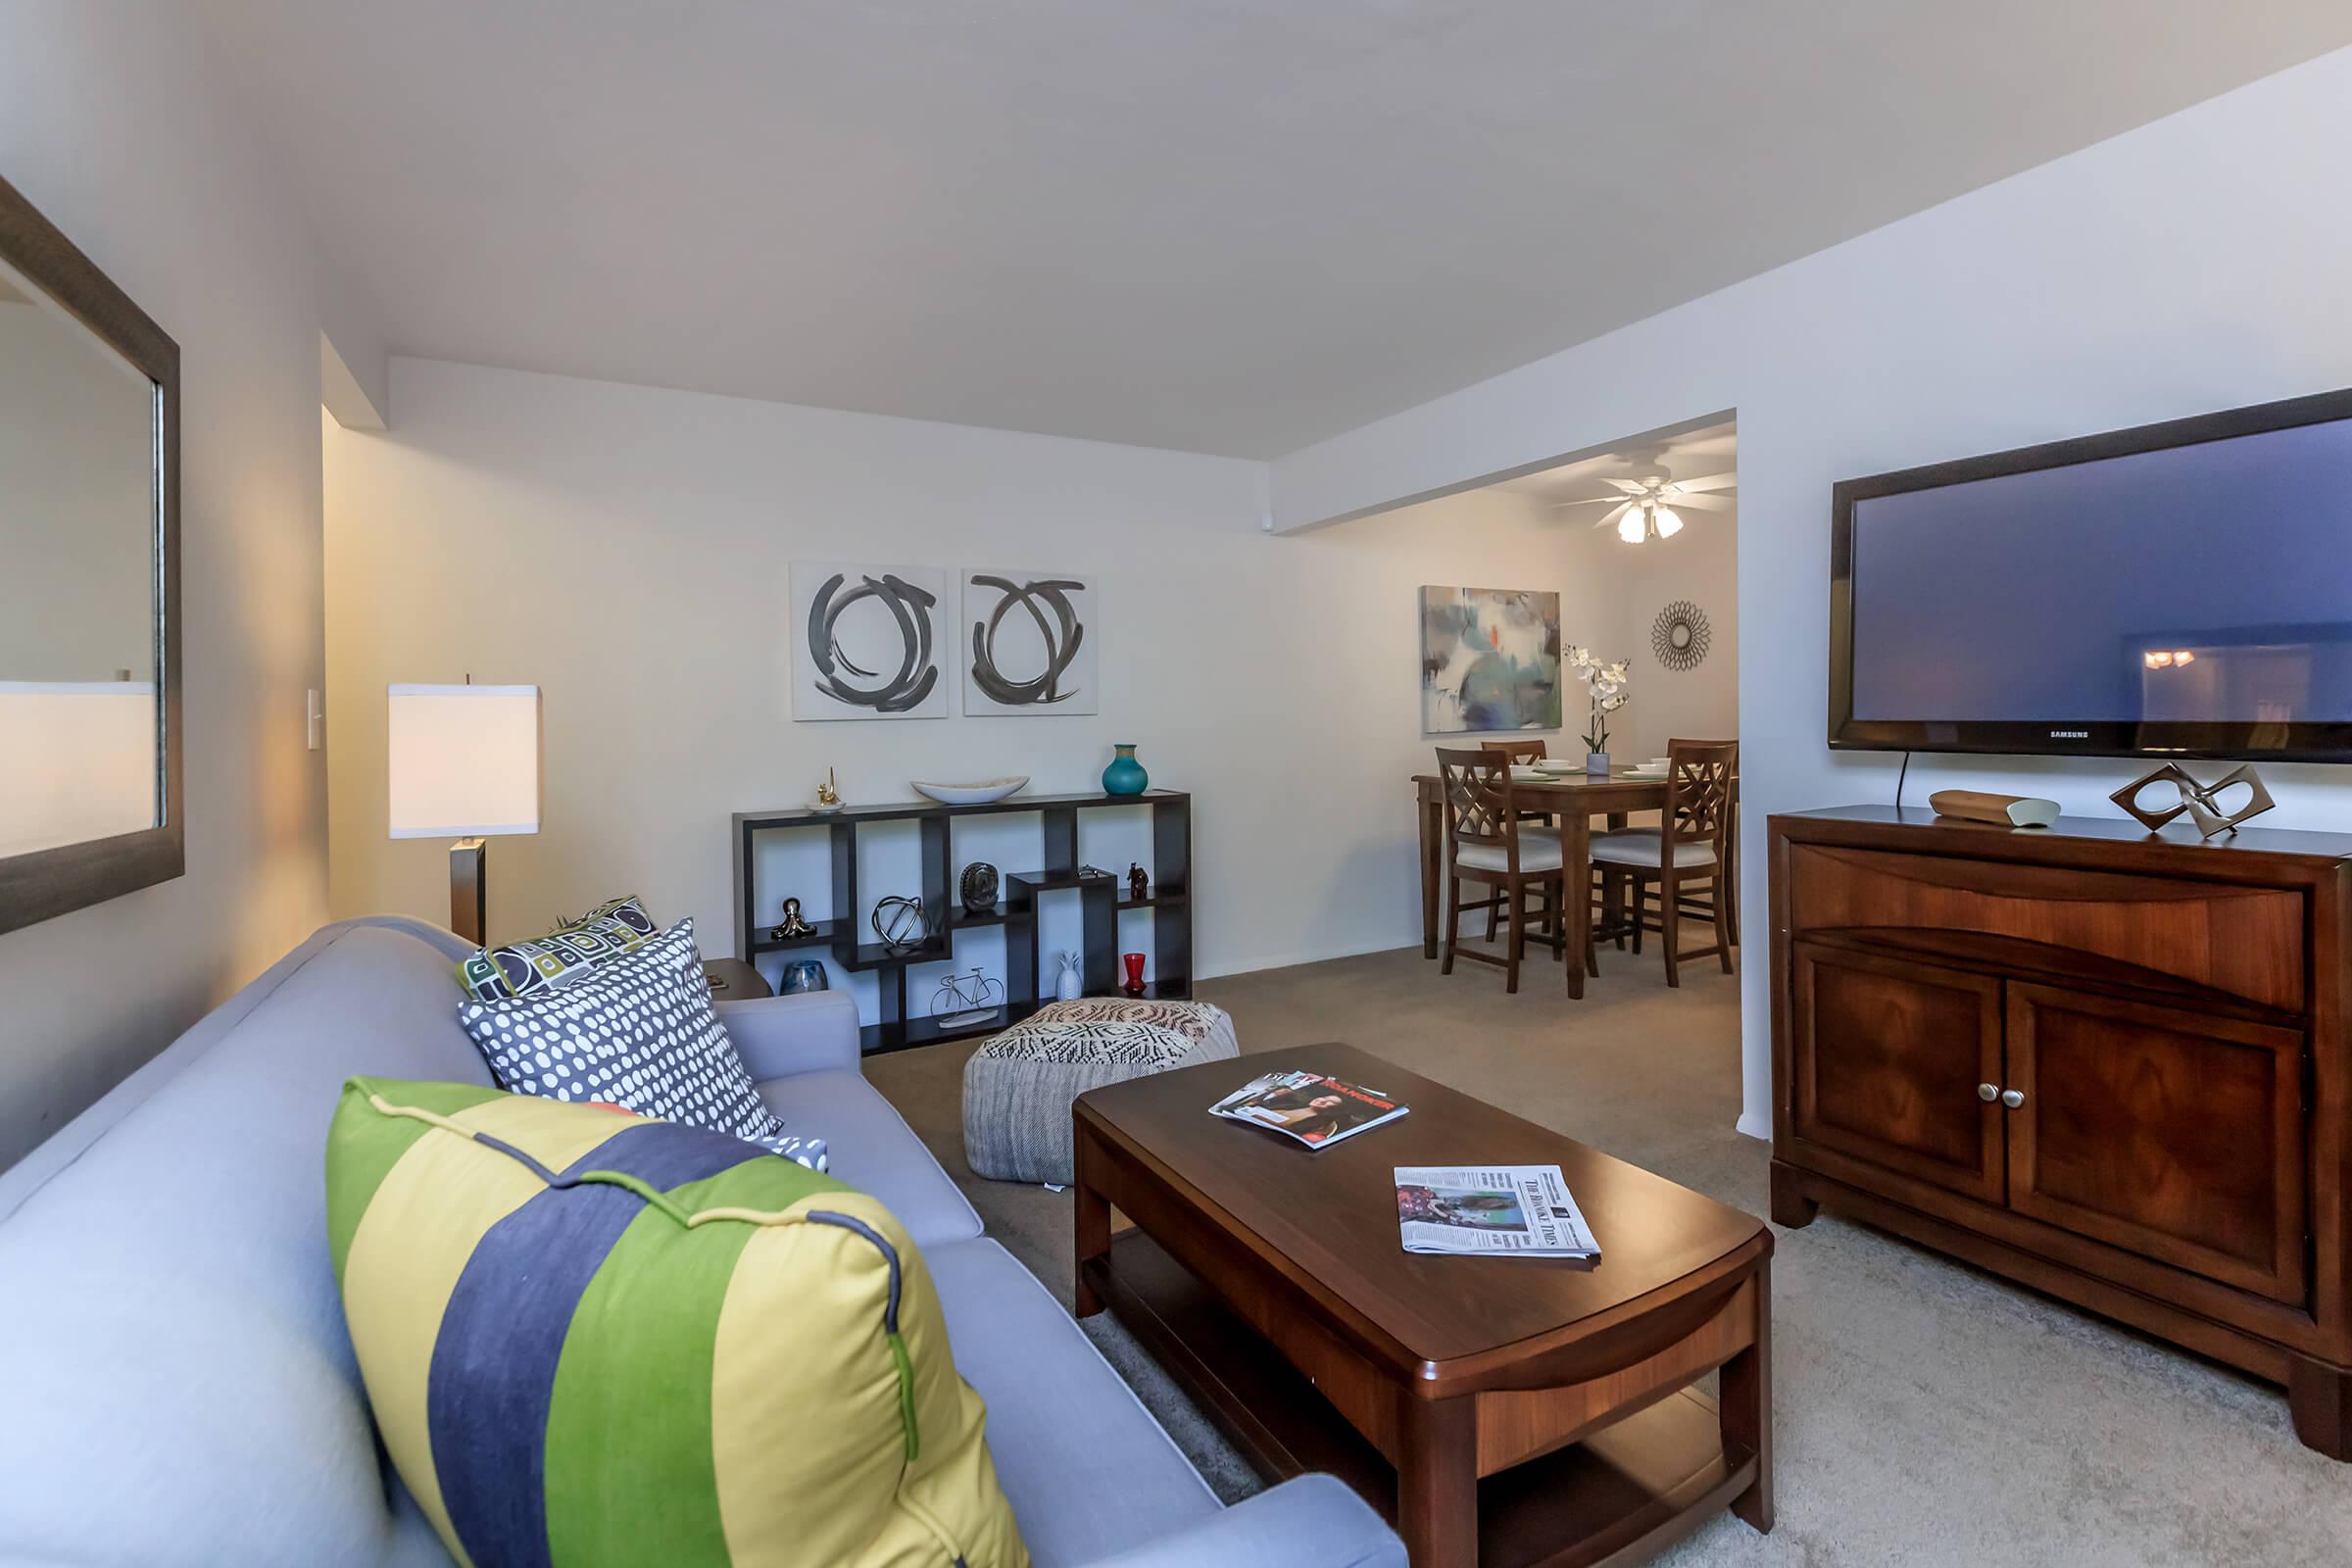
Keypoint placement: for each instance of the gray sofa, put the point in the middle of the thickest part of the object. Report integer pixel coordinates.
(177, 1386)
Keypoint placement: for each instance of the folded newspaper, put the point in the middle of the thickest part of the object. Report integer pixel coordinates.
(1315, 1109)
(1524, 1210)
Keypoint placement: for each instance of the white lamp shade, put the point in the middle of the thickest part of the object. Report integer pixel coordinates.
(463, 761)
(76, 761)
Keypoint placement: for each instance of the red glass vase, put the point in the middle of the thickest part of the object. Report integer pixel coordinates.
(1133, 964)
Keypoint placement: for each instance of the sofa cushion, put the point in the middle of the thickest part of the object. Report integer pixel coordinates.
(870, 1147)
(638, 1033)
(169, 1309)
(1088, 1472)
(599, 1348)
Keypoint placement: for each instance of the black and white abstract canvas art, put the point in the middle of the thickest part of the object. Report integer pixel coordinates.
(869, 642)
(1029, 642)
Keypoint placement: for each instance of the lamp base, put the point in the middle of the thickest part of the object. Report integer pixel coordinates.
(468, 888)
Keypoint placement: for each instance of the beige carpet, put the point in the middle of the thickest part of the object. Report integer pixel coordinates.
(1926, 1413)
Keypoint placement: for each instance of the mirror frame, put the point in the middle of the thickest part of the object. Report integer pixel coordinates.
(42, 884)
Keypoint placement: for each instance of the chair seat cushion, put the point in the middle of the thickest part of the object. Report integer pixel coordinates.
(1538, 850)
(590, 1347)
(1645, 846)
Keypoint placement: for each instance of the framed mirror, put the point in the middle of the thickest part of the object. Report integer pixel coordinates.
(91, 798)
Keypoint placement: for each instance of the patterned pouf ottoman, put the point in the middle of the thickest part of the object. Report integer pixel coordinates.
(1017, 1089)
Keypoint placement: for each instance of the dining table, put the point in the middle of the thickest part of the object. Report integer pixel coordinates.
(1575, 798)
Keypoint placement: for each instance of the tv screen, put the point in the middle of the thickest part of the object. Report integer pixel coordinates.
(2181, 588)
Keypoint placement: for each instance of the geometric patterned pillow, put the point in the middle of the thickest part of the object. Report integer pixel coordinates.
(638, 1032)
(564, 954)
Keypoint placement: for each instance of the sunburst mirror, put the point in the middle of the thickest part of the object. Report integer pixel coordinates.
(1680, 635)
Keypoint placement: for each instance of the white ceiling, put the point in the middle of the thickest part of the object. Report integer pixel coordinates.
(1228, 225)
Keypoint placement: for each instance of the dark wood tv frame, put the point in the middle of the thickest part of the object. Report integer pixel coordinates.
(2059, 736)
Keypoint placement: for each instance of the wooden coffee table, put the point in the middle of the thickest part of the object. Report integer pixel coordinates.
(1500, 1411)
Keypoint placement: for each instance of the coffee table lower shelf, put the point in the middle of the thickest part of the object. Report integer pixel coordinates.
(1617, 1498)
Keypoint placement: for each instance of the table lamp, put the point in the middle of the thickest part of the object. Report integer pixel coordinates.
(465, 764)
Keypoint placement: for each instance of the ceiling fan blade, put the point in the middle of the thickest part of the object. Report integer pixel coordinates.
(1613, 515)
(1632, 487)
(1697, 503)
(1590, 501)
(1712, 481)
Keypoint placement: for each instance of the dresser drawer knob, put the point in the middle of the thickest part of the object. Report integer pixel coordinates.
(1988, 1093)
(2013, 1097)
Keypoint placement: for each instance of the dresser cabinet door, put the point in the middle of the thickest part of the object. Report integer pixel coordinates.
(2172, 1134)
(1888, 1061)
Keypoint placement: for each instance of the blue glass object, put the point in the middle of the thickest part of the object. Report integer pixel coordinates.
(802, 974)
(1125, 775)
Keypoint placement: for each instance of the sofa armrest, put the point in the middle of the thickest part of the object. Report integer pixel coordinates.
(779, 1037)
(1312, 1522)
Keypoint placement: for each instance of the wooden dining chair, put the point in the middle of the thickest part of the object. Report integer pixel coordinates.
(1518, 753)
(1487, 842)
(1686, 860)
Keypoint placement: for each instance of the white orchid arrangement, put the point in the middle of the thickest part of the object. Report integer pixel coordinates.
(1609, 686)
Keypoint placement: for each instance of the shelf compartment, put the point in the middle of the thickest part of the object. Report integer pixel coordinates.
(963, 920)
(826, 934)
(1060, 881)
(933, 949)
(879, 1039)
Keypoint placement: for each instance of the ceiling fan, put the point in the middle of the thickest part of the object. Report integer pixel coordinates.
(1644, 503)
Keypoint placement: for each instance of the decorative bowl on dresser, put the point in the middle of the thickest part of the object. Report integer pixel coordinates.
(2110, 1064)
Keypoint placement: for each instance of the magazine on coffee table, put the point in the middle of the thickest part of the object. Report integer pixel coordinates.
(1522, 1210)
(1316, 1110)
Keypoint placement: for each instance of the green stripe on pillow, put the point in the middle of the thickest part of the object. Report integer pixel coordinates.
(631, 1476)
(362, 1150)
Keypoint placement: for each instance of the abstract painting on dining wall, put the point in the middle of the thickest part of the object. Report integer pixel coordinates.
(1489, 659)
(867, 641)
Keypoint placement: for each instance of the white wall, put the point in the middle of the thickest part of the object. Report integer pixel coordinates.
(628, 548)
(2195, 264)
(112, 124)
(1630, 584)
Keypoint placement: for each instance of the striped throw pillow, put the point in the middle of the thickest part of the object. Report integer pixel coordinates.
(591, 1346)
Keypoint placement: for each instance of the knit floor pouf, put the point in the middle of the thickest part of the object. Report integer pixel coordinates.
(1017, 1089)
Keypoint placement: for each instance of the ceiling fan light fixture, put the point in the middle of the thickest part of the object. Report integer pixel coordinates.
(1630, 527)
(1667, 524)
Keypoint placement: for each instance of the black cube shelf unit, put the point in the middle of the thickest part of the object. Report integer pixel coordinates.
(1100, 900)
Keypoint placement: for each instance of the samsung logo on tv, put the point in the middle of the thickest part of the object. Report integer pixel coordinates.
(2069, 734)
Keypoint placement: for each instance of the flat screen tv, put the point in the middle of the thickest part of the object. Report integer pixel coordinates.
(2181, 589)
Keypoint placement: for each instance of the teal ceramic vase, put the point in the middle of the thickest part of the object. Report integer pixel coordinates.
(1125, 775)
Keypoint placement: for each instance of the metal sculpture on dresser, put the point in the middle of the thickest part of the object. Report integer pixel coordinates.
(2202, 802)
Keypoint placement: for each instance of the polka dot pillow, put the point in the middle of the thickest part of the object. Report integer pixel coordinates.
(638, 1032)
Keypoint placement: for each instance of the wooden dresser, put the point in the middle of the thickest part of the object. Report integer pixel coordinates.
(2108, 1065)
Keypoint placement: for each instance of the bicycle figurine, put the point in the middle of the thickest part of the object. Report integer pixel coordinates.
(954, 1007)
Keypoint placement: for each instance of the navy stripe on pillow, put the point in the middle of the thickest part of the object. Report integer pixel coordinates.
(493, 1375)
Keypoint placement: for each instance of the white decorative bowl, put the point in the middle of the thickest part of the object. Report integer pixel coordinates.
(980, 794)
